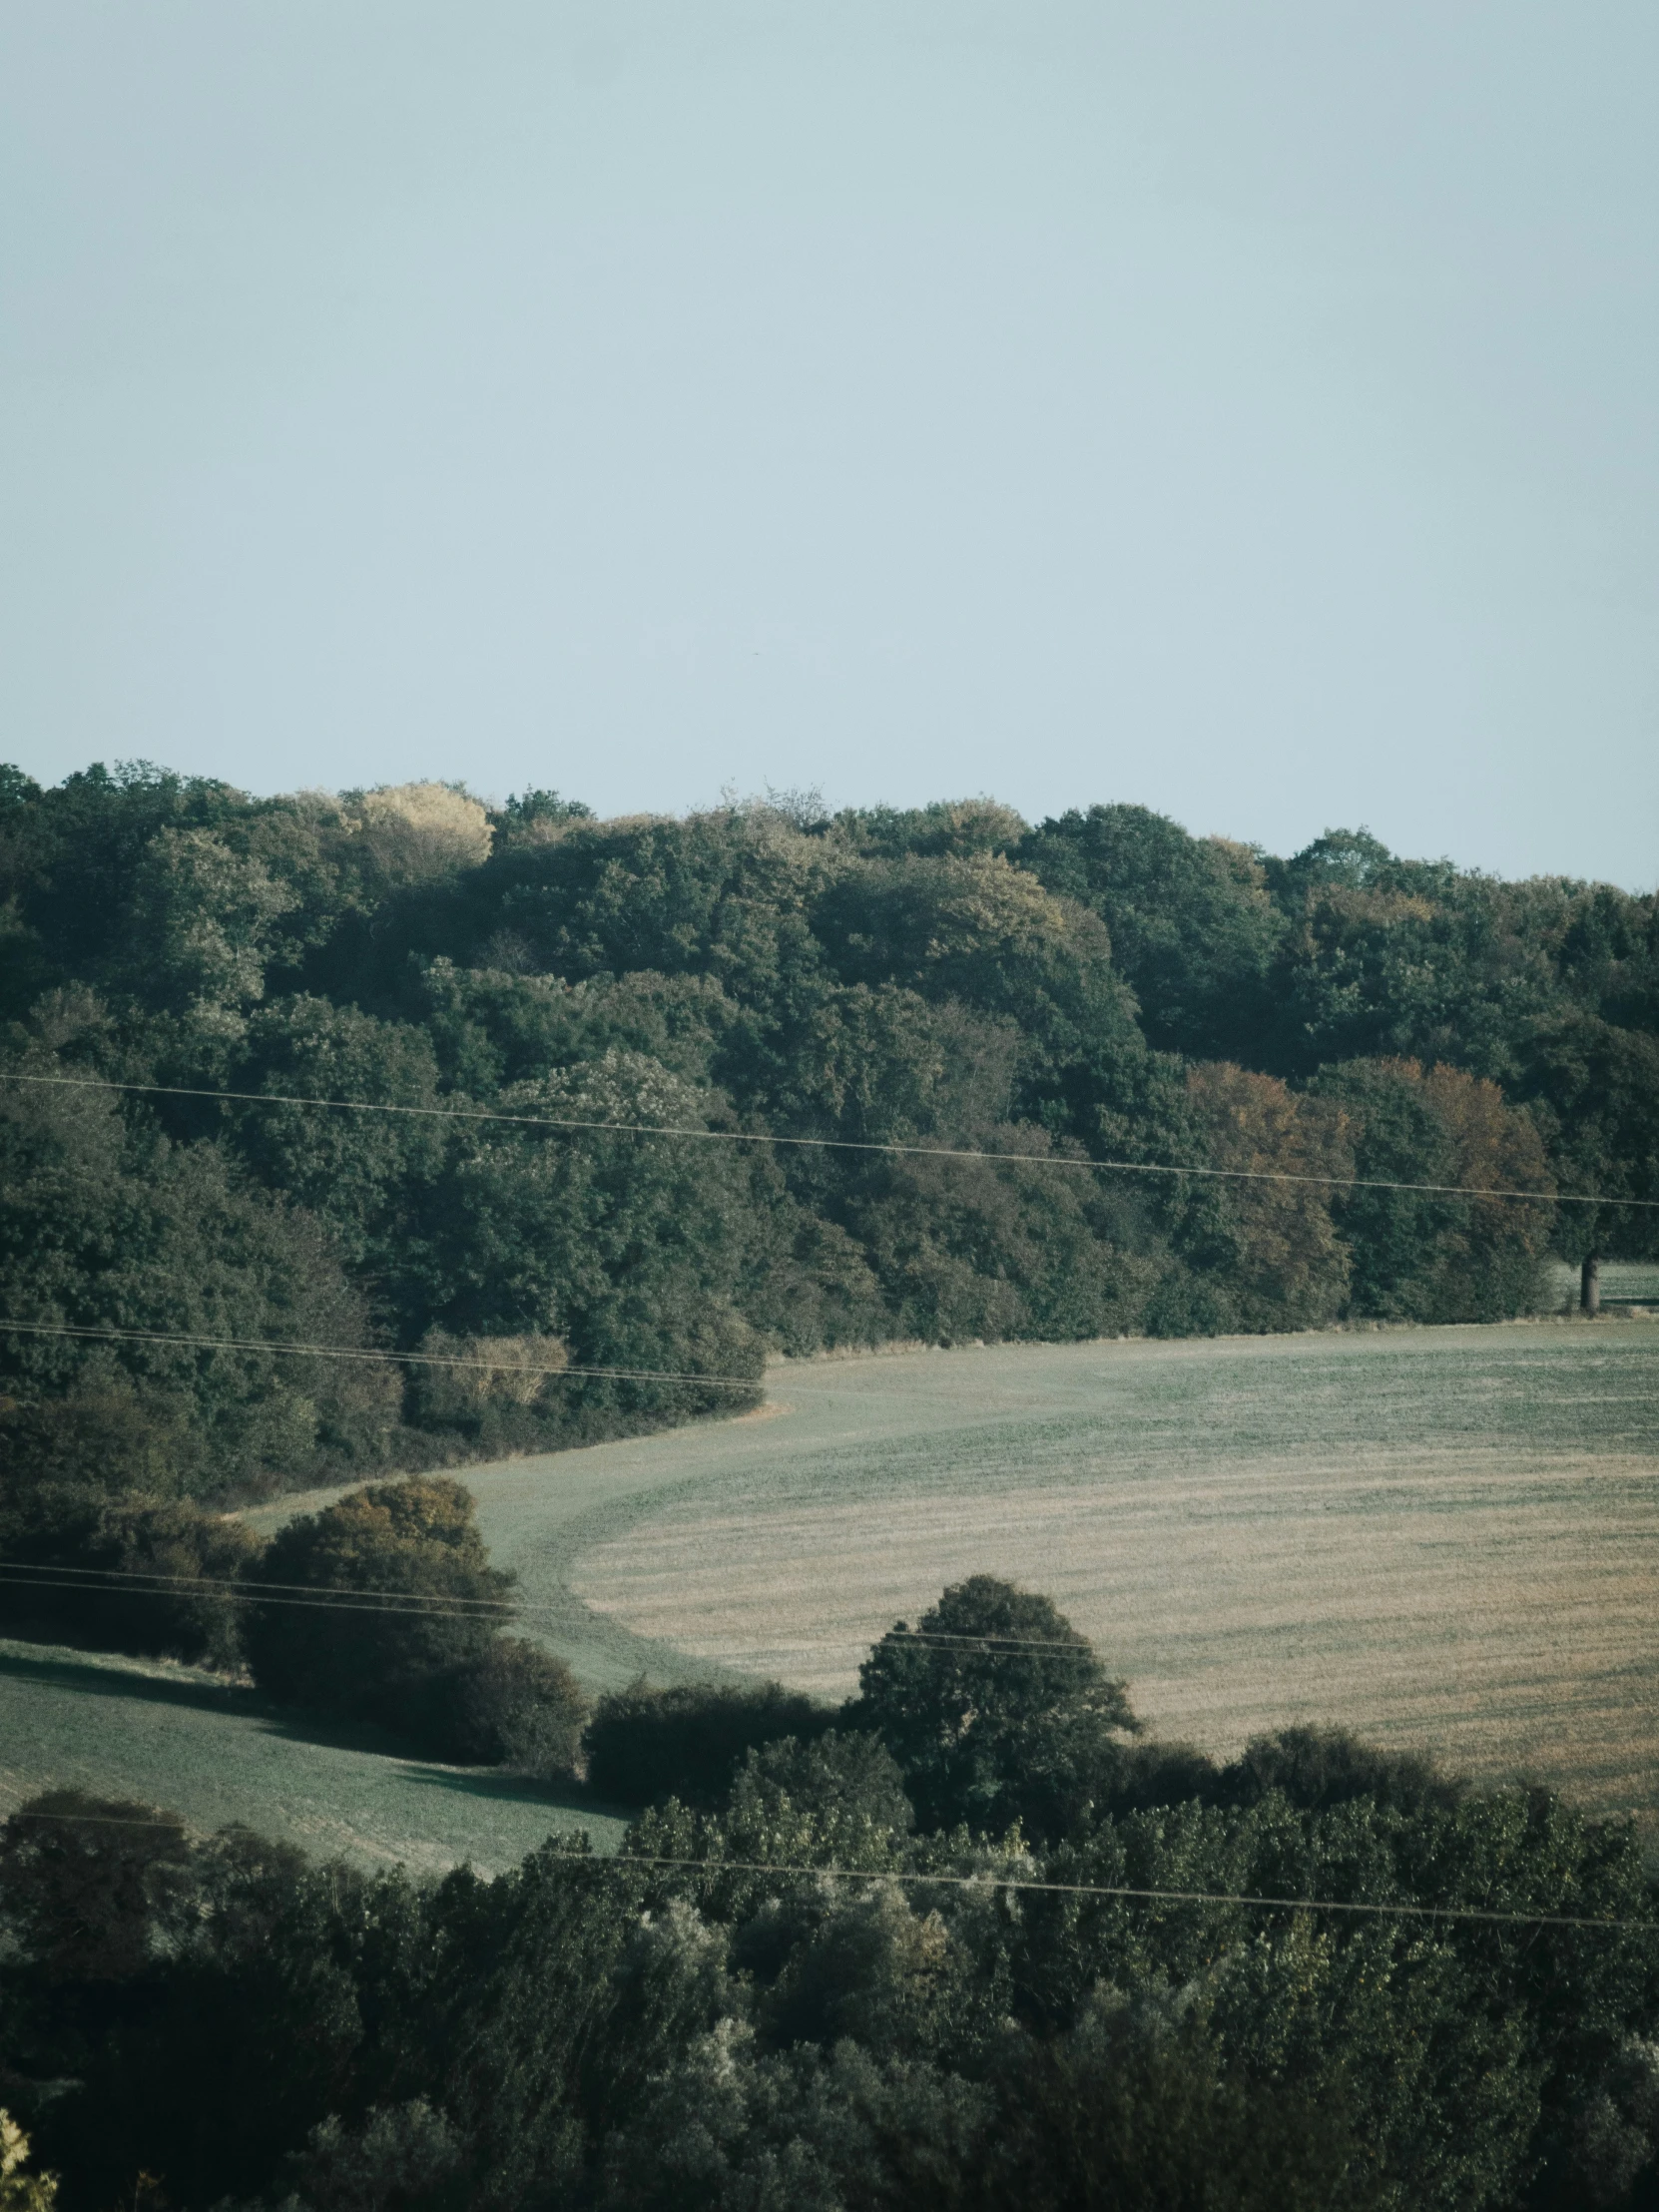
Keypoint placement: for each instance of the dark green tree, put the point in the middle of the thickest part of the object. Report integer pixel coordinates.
(994, 1707)
(415, 1596)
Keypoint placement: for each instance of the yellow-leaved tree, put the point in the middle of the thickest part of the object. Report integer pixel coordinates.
(20, 2191)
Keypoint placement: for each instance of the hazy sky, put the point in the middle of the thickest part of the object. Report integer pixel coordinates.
(1249, 409)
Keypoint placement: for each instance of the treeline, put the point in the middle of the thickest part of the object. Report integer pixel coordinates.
(1102, 986)
(892, 1956)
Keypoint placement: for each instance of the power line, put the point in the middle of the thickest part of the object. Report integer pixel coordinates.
(392, 1606)
(1121, 1889)
(386, 1358)
(986, 1880)
(139, 1582)
(148, 1583)
(828, 1144)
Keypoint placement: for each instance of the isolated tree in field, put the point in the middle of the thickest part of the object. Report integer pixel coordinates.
(415, 1597)
(994, 1706)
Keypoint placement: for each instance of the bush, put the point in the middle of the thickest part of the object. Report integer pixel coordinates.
(170, 1539)
(1320, 1767)
(645, 1745)
(411, 1543)
(514, 1705)
(846, 1780)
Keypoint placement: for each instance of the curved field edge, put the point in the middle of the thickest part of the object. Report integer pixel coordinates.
(1444, 1538)
(1441, 1537)
(780, 1540)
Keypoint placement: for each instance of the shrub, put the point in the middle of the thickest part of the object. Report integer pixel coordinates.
(514, 1705)
(645, 1745)
(844, 1772)
(169, 1541)
(508, 1377)
(1320, 1767)
(413, 1545)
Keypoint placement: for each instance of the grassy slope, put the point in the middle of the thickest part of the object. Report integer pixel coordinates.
(171, 1735)
(1440, 1535)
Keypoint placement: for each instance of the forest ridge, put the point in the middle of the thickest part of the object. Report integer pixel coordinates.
(1101, 985)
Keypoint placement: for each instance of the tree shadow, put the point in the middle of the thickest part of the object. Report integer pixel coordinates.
(56, 1669)
(521, 1789)
(59, 1670)
(88, 1678)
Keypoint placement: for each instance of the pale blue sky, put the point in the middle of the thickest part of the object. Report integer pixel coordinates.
(1246, 409)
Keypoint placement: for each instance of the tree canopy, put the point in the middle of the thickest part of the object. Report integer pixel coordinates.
(1099, 986)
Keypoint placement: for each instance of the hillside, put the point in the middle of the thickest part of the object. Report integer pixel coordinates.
(1098, 987)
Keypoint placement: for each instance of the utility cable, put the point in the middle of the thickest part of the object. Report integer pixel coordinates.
(328, 1601)
(829, 1144)
(139, 1582)
(1122, 1889)
(374, 1355)
(989, 1881)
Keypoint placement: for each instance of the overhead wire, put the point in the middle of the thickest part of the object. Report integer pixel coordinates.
(986, 1879)
(828, 1144)
(371, 1353)
(116, 1583)
(124, 1582)
(388, 1607)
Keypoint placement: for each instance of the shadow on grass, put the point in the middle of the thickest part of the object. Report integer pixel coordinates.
(521, 1789)
(105, 1676)
(56, 1668)
(108, 1676)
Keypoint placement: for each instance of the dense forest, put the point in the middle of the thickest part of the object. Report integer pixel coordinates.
(514, 1254)
(1102, 986)
(890, 1958)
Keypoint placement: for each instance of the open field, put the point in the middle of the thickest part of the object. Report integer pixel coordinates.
(1624, 1283)
(1447, 1539)
(175, 1736)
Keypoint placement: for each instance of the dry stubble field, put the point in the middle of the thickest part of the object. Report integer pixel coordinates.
(1443, 1538)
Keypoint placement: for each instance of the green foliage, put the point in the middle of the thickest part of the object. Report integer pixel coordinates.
(1317, 1767)
(996, 1709)
(426, 1600)
(748, 2008)
(1138, 2108)
(1192, 928)
(1430, 1256)
(403, 2158)
(1264, 1231)
(645, 1745)
(513, 1705)
(93, 1888)
(368, 1173)
(105, 1225)
(1103, 986)
(180, 1561)
(623, 1246)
